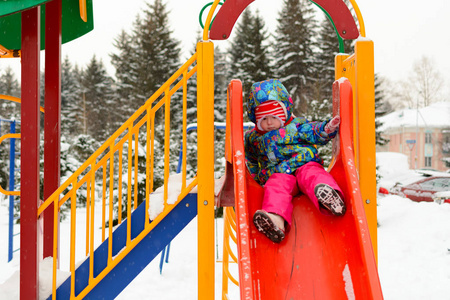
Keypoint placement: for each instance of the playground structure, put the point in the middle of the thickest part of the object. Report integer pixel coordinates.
(12, 192)
(321, 257)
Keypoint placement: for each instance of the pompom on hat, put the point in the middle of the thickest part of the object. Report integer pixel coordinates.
(270, 108)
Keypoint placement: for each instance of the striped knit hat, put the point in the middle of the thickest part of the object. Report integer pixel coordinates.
(270, 108)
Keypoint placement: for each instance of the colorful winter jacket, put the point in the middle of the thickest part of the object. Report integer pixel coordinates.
(286, 149)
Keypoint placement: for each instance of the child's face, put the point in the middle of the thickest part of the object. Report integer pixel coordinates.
(269, 123)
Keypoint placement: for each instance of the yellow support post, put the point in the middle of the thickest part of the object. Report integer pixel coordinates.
(205, 175)
(365, 110)
(339, 66)
(359, 69)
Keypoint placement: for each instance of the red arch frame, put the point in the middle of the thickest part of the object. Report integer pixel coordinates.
(232, 9)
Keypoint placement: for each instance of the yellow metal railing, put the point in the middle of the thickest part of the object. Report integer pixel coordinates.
(229, 234)
(2, 138)
(17, 100)
(106, 165)
(11, 135)
(362, 27)
(6, 53)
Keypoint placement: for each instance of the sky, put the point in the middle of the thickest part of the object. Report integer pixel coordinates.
(402, 31)
(413, 252)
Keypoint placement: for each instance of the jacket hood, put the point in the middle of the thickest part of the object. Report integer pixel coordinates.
(263, 91)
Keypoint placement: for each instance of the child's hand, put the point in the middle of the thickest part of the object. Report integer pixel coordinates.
(333, 125)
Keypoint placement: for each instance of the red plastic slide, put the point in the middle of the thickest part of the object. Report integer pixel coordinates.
(322, 257)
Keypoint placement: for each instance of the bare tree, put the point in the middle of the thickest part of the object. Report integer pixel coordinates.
(426, 82)
(423, 87)
(394, 93)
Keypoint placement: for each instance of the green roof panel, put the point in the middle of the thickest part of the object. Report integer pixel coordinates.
(14, 6)
(73, 26)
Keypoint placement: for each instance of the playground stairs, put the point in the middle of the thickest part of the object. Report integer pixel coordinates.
(137, 259)
(118, 176)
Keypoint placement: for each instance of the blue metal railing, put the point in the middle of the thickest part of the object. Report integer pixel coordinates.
(12, 156)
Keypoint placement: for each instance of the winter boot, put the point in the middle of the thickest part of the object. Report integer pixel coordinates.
(330, 199)
(266, 226)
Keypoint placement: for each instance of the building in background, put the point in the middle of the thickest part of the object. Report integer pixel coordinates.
(423, 134)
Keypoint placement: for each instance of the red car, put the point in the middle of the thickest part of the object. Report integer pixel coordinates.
(441, 197)
(424, 189)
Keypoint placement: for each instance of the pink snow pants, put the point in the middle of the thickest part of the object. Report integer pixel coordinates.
(280, 189)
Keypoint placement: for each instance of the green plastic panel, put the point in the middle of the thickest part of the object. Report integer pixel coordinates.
(13, 6)
(73, 26)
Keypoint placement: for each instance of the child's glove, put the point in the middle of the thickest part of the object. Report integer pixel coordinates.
(333, 125)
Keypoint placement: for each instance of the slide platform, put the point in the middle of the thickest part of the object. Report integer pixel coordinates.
(322, 257)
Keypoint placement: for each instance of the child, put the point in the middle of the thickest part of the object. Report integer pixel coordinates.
(281, 155)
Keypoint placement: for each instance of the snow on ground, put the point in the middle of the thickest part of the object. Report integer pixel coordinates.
(413, 254)
(413, 238)
(394, 168)
(413, 249)
(179, 276)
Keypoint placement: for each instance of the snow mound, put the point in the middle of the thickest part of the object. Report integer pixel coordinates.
(391, 163)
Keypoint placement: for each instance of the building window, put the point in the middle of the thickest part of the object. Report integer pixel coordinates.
(427, 138)
(427, 161)
(446, 145)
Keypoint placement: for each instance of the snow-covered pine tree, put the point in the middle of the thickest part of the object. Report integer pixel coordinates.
(381, 108)
(192, 87)
(97, 94)
(81, 115)
(239, 49)
(249, 51)
(73, 155)
(71, 114)
(125, 63)
(9, 85)
(147, 56)
(294, 50)
(4, 160)
(328, 48)
(191, 98)
(221, 82)
(69, 158)
(259, 64)
(8, 111)
(158, 52)
(321, 107)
